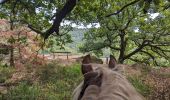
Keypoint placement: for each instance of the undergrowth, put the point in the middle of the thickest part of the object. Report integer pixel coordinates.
(140, 86)
(5, 73)
(55, 83)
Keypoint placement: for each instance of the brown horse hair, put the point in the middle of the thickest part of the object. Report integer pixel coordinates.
(91, 78)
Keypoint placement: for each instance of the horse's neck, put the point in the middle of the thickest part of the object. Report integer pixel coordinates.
(77, 91)
(114, 84)
(91, 93)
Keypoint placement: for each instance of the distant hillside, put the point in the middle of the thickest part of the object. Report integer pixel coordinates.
(77, 37)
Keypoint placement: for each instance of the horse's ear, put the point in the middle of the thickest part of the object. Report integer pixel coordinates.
(112, 62)
(86, 66)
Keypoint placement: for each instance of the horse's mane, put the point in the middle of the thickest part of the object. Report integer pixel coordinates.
(114, 87)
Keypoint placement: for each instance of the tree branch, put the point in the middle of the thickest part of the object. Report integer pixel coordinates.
(27, 7)
(159, 48)
(136, 60)
(111, 41)
(110, 29)
(31, 27)
(148, 54)
(125, 6)
(115, 48)
(136, 50)
(59, 16)
(160, 51)
(128, 23)
(35, 30)
(68, 7)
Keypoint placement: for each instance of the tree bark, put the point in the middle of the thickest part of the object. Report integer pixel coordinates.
(68, 7)
(12, 56)
(122, 47)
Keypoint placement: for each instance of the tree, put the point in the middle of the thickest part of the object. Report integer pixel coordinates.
(45, 16)
(132, 36)
(37, 14)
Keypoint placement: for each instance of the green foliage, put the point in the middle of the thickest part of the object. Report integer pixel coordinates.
(5, 73)
(47, 73)
(58, 43)
(53, 72)
(59, 81)
(131, 36)
(141, 87)
(4, 51)
(39, 14)
(55, 83)
(36, 12)
(11, 40)
(23, 92)
(22, 40)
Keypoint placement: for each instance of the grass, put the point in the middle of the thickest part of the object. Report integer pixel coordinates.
(165, 75)
(55, 83)
(23, 92)
(140, 86)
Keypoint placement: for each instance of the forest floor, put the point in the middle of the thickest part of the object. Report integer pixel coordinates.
(156, 79)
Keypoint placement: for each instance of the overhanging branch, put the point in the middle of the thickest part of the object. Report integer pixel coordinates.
(136, 60)
(59, 16)
(147, 53)
(30, 26)
(125, 6)
(68, 7)
(128, 23)
(139, 48)
(150, 55)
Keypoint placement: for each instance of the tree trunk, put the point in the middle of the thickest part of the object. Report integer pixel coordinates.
(19, 46)
(122, 47)
(121, 61)
(12, 56)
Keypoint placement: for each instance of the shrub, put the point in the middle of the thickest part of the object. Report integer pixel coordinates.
(5, 73)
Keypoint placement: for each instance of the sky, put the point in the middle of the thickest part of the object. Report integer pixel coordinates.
(96, 25)
(1, 1)
(154, 15)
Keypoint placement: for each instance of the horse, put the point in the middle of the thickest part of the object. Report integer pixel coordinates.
(104, 82)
